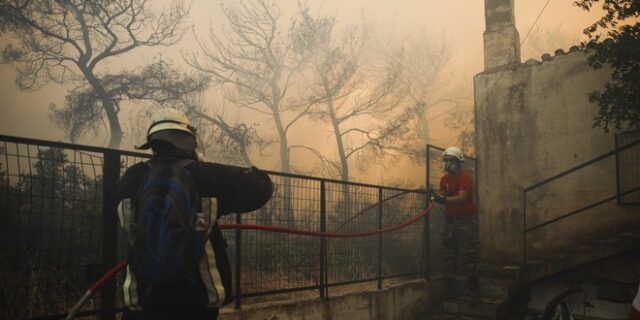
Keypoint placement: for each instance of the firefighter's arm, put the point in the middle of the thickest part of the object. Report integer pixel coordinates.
(461, 197)
(251, 189)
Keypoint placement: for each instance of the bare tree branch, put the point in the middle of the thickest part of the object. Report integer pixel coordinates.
(368, 96)
(252, 62)
(65, 40)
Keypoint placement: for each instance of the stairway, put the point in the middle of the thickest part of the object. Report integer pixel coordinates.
(498, 283)
(494, 290)
(585, 253)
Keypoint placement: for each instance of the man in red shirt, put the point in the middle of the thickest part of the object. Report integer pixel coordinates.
(460, 235)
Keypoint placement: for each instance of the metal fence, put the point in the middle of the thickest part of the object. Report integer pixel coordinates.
(436, 221)
(58, 232)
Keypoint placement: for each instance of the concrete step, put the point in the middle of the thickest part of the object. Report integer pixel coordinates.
(535, 314)
(485, 307)
(451, 316)
(585, 253)
(631, 234)
(507, 272)
(490, 286)
(494, 287)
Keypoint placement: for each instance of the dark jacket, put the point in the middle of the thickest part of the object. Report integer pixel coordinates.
(235, 190)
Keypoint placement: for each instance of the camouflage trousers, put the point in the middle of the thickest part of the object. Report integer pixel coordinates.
(460, 242)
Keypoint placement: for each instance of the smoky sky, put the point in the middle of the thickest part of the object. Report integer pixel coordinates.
(460, 23)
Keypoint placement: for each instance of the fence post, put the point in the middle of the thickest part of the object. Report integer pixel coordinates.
(110, 176)
(616, 146)
(238, 264)
(524, 228)
(476, 195)
(426, 240)
(428, 166)
(323, 242)
(379, 239)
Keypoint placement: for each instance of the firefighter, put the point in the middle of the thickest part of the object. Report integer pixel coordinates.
(460, 234)
(153, 195)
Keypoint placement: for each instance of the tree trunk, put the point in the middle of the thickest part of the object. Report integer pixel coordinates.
(285, 165)
(245, 155)
(115, 130)
(344, 165)
(115, 133)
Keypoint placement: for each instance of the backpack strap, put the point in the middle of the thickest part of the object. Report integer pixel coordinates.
(126, 217)
(153, 163)
(182, 163)
(176, 165)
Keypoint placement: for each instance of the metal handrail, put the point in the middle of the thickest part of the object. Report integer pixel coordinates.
(75, 146)
(595, 204)
(580, 166)
(66, 145)
(574, 212)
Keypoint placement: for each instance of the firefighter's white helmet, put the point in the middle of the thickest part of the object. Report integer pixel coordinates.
(164, 124)
(170, 119)
(453, 152)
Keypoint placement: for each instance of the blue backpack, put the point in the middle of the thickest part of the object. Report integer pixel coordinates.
(170, 231)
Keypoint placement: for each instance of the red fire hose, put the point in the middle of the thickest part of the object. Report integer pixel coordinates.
(95, 287)
(107, 276)
(326, 234)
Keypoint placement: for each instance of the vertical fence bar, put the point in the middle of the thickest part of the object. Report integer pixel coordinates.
(238, 263)
(110, 175)
(428, 173)
(524, 228)
(426, 240)
(323, 241)
(379, 239)
(616, 146)
(476, 183)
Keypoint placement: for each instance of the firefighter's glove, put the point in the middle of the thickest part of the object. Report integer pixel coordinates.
(434, 196)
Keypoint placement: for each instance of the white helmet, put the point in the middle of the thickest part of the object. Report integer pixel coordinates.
(163, 122)
(170, 119)
(454, 152)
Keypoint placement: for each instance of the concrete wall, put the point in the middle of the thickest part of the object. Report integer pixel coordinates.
(405, 301)
(534, 120)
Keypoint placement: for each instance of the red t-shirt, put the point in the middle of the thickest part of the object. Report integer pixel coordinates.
(450, 186)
